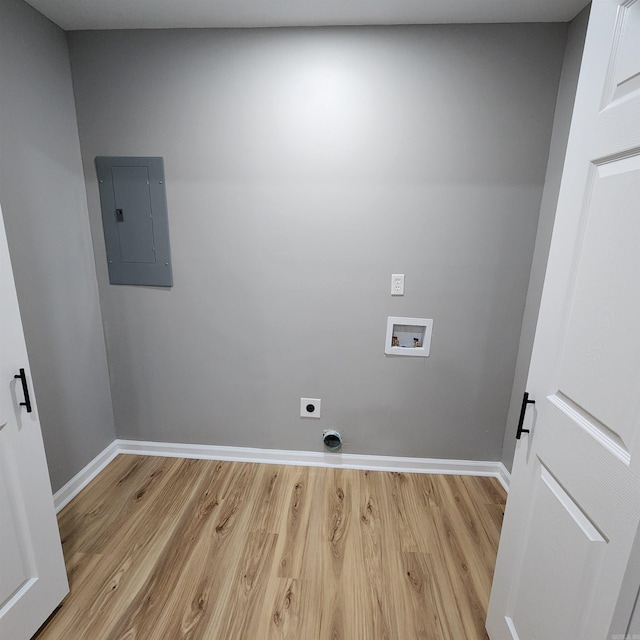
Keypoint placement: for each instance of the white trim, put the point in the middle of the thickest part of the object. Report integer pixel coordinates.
(504, 477)
(279, 456)
(72, 488)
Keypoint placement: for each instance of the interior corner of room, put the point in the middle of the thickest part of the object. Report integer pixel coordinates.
(303, 168)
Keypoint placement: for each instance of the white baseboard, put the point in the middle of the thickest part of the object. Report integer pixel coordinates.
(72, 488)
(504, 476)
(280, 456)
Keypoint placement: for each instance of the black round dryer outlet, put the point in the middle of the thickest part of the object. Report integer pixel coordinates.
(311, 408)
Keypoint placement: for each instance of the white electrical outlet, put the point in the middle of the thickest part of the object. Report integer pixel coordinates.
(310, 407)
(397, 284)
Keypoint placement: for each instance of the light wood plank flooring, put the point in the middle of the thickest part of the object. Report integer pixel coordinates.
(169, 549)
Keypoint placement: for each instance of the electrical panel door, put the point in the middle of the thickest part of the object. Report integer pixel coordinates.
(135, 220)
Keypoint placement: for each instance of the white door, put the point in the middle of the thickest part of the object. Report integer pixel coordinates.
(33, 579)
(574, 503)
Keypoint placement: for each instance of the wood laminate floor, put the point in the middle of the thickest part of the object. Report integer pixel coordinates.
(170, 549)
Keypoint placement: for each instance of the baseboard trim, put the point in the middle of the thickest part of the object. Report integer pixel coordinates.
(504, 476)
(72, 488)
(279, 456)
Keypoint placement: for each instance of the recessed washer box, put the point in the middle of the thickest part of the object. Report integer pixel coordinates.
(408, 336)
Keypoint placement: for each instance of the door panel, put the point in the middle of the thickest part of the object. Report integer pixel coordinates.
(15, 573)
(573, 512)
(33, 578)
(555, 559)
(600, 369)
(623, 78)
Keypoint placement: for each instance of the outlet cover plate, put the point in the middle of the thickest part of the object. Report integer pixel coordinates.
(397, 284)
(310, 407)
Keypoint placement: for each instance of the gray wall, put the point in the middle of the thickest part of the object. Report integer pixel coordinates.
(303, 167)
(44, 204)
(561, 124)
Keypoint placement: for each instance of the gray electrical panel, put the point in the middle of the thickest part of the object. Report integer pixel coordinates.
(135, 220)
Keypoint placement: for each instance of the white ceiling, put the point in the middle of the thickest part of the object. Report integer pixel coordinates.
(161, 14)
